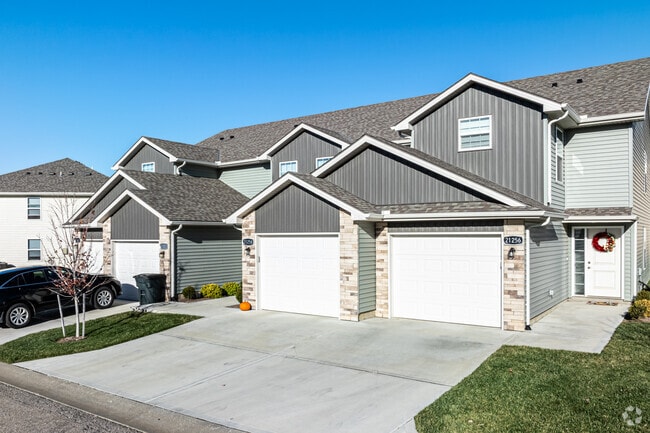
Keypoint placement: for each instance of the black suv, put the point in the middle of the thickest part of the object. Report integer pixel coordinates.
(26, 291)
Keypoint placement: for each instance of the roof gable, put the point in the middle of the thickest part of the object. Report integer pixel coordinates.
(64, 176)
(173, 150)
(331, 136)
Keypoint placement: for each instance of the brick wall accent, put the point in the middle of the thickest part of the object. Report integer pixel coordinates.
(249, 276)
(349, 267)
(381, 232)
(165, 261)
(107, 259)
(514, 279)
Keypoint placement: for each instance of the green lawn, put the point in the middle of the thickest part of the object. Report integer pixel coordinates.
(523, 389)
(100, 333)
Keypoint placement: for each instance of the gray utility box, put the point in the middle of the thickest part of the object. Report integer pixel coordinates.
(152, 287)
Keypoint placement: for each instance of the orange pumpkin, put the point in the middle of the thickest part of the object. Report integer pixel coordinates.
(245, 306)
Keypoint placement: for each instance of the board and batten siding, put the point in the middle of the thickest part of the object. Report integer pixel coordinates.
(304, 149)
(248, 180)
(641, 193)
(549, 268)
(382, 178)
(558, 188)
(598, 172)
(108, 198)
(367, 268)
(134, 222)
(495, 226)
(207, 255)
(515, 160)
(295, 210)
(149, 154)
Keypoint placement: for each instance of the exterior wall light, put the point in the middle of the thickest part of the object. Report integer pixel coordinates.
(511, 253)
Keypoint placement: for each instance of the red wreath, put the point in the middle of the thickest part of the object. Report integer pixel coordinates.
(610, 242)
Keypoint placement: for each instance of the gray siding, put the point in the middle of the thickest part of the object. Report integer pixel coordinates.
(641, 206)
(495, 226)
(549, 267)
(295, 210)
(107, 200)
(207, 255)
(517, 139)
(133, 222)
(367, 268)
(557, 188)
(598, 172)
(149, 154)
(199, 171)
(248, 180)
(380, 178)
(305, 148)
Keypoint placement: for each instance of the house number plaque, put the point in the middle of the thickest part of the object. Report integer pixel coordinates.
(513, 240)
(247, 241)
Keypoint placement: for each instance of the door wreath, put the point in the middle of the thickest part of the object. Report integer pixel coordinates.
(607, 246)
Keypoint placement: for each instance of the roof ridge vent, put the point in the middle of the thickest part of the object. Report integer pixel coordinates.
(554, 84)
(579, 81)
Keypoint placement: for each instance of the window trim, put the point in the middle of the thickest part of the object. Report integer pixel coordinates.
(280, 173)
(559, 168)
(462, 134)
(320, 158)
(153, 167)
(29, 250)
(32, 207)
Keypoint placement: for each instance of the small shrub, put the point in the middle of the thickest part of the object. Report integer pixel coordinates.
(640, 308)
(231, 288)
(189, 292)
(239, 295)
(643, 294)
(212, 291)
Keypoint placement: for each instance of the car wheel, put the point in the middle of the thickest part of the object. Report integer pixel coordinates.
(18, 315)
(103, 297)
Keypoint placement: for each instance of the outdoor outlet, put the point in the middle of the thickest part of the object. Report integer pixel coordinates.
(550, 292)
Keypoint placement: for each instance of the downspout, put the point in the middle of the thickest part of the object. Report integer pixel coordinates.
(527, 292)
(179, 168)
(549, 184)
(172, 267)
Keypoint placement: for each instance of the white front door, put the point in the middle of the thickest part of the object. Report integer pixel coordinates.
(603, 268)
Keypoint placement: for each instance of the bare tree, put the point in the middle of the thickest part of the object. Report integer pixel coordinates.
(67, 250)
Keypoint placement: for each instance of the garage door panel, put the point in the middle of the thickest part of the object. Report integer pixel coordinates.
(299, 274)
(447, 278)
(133, 258)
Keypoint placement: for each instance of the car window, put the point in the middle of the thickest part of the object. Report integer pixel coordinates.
(35, 277)
(51, 275)
(18, 280)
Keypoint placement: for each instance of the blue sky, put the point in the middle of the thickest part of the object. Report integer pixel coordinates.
(85, 80)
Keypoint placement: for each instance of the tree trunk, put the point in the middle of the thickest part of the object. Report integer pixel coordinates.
(58, 298)
(83, 320)
(76, 313)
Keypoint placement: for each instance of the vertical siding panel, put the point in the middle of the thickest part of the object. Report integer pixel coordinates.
(247, 180)
(134, 222)
(149, 154)
(495, 226)
(367, 265)
(305, 148)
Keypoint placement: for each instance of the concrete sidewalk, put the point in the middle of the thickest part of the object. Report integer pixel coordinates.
(262, 371)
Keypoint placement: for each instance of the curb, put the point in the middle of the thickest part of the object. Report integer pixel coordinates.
(139, 416)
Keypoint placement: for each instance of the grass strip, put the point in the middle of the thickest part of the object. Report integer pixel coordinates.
(100, 333)
(524, 389)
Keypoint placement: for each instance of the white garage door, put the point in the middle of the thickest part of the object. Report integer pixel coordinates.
(299, 274)
(133, 258)
(447, 278)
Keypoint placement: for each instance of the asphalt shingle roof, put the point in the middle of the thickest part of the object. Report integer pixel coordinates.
(595, 91)
(186, 151)
(64, 176)
(338, 192)
(187, 198)
(599, 211)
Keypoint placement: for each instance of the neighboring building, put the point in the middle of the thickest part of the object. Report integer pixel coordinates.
(28, 199)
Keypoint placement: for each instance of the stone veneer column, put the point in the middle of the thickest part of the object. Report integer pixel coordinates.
(514, 279)
(349, 267)
(381, 251)
(107, 254)
(249, 276)
(165, 262)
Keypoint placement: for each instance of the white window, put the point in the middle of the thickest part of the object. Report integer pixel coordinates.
(475, 133)
(322, 160)
(559, 155)
(288, 166)
(33, 249)
(33, 208)
(149, 167)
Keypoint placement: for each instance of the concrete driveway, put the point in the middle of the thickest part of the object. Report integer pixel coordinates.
(261, 371)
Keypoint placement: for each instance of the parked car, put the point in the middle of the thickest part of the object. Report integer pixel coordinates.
(28, 290)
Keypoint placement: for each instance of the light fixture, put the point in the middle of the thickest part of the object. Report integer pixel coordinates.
(161, 254)
(511, 253)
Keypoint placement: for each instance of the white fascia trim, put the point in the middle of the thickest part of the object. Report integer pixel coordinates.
(463, 215)
(111, 182)
(252, 161)
(611, 118)
(121, 200)
(600, 219)
(199, 223)
(296, 132)
(138, 144)
(195, 162)
(370, 141)
(280, 184)
(406, 124)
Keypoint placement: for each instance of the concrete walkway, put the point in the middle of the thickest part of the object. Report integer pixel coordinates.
(264, 371)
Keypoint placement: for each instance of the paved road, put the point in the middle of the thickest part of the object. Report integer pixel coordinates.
(24, 412)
